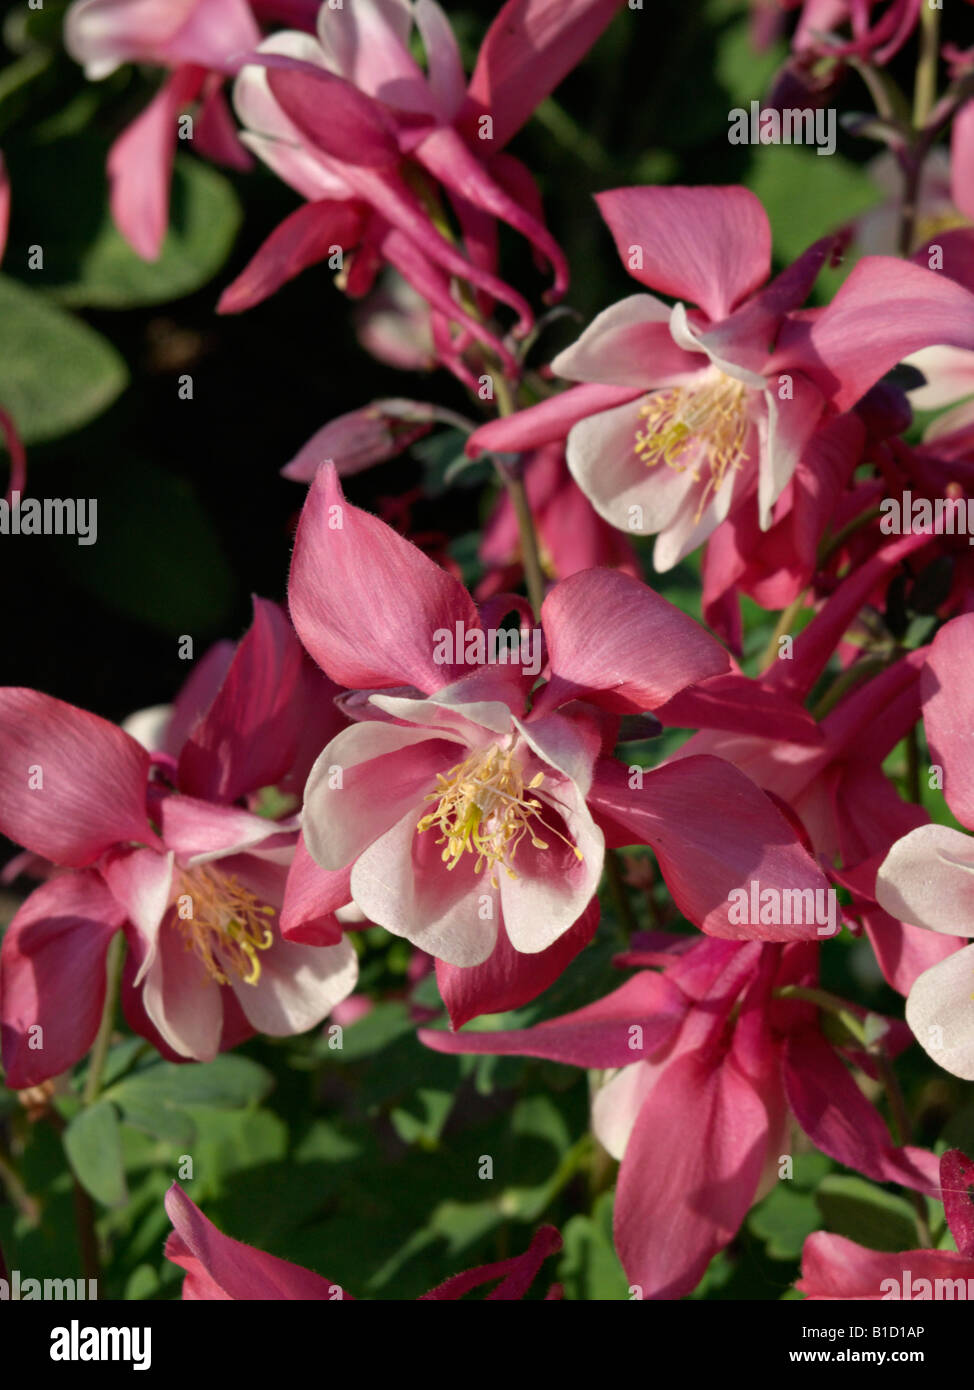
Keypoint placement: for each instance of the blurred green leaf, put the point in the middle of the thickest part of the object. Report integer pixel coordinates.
(62, 205)
(93, 1144)
(56, 373)
(852, 1207)
(590, 1267)
(153, 530)
(229, 1082)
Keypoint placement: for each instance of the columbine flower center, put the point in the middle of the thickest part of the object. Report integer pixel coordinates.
(223, 924)
(694, 427)
(482, 808)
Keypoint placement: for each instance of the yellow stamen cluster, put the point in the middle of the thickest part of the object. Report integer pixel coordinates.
(482, 809)
(688, 427)
(223, 924)
(931, 226)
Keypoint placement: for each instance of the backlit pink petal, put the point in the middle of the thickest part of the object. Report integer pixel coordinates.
(218, 1267)
(301, 240)
(957, 1186)
(678, 1202)
(598, 1035)
(938, 1011)
(614, 641)
(628, 344)
(365, 602)
(530, 46)
(247, 738)
(549, 422)
(708, 246)
(365, 781)
(444, 66)
(834, 1268)
(446, 156)
(713, 832)
(312, 897)
(101, 34)
(928, 879)
(197, 694)
(518, 1273)
(509, 978)
(840, 1121)
(52, 975)
(948, 711)
(853, 342)
(140, 165)
(740, 705)
(71, 784)
(198, 829)
(368, 45)
(216, 134)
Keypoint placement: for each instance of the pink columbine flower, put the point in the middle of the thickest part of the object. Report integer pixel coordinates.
(218, 1267)
(837, 1269)
(351, 121)
(466, 810)
(926, 877)
(685, 414)
(712, 1056)
(163, 847)
(201, 42)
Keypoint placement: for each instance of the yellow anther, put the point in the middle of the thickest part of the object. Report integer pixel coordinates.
(694, 428)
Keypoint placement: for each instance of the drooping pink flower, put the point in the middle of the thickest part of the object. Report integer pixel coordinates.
(218, 1267)
(169, 848)
(367, 436)
(837, 1269)
(926, 877)
(713, 1053)
(201, 42)
(683, 415)
(352, 122)
(467, 809)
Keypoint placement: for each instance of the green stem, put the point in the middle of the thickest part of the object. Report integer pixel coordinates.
(617, 887)
(782, 626)
(901, 1128)
(518, 494)
(96, 1064)
(925, 86)
(845, 680)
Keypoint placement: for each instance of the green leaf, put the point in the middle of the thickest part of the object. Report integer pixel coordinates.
(153, 529)
(229, 1082)
(62, 205)
(590, 1267)
(866, 1214)
(93, 1144)
(783, 1220)
(56, 373)
(421, 1120)
(806, 196)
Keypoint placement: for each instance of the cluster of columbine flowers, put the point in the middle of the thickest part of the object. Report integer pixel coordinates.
(360, 760)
